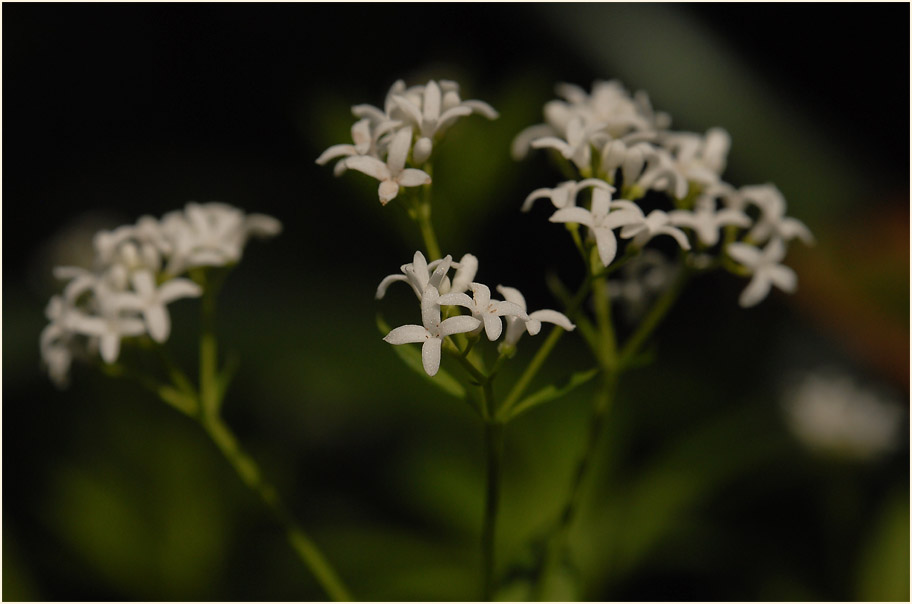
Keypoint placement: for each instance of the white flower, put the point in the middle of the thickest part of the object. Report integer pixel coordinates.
(451, 99)
(211, 234)
(151, 300)
(433, 331)
(485, 309)
(662, 174)
(832, 414)
(55, 341)
(773, 221)
(601, 220)
(466, 269)
(392, 174)
(576, 147)
(564, 194)
(630, 158)
(427, 117)
(766, 270)
(418, 275)
(706, 221)
(110, 325)
(364, 144)
(656, 223)
(700, 158)
(517, 326)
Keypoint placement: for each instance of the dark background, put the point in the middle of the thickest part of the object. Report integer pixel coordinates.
(114, 111)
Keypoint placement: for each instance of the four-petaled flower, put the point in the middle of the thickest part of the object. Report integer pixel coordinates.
(517, 326)
(564, 194)
(150, 300)
(602, 221)
(433, 331)
(485, 309)
(766, 270)
(392, 174)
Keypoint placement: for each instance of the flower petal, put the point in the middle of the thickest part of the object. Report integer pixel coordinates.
(368, 165)
(460, 324)
(430, 356)
(412, 177)
(493, 326)
(578, 215)
(407, 334)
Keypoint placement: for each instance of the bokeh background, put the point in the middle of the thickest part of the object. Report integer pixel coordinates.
(701, 491)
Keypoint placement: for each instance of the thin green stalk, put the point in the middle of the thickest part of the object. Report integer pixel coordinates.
(250, 473)
(423, 217)
(211, 394)
(604, 398)
(607, 341)
(493, 435)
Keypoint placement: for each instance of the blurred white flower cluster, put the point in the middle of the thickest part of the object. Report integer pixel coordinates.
(436, 290)
(393, 144)
(831, 414)
(136, 274)
(620, 147)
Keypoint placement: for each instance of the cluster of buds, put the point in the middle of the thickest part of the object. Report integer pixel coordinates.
(617, 143)
(137, 272)
(385, 142)
(435, 290)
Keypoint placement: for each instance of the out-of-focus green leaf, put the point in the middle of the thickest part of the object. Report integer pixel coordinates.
(412, 358)
(884, 568)
(551, 392)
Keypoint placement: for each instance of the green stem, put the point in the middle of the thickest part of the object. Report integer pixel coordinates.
(607, 341)
(493, 454)
(250, 474)
(602, 404)
(532, 369)
(211, 394)
(422, 215)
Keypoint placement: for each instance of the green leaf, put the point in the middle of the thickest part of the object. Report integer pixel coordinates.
(550, 392)
(411, 356)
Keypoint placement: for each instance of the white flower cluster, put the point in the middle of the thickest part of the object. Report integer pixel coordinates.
(412, 120)
(435, 289)
(136, 274)
(617, 142)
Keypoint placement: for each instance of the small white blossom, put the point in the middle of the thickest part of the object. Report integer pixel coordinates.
(432, 332)
(211, 234)
(150, 301)
(486, 310)
(517, 326)
(109, 326)
(656, 223)
(418, 275)
(364, 144)
(564, 194)
(434, 113)
(392, 174)
(766, 269)
(602, 221)
(700, 158)
(773, 222)
(466, 269)
(706, 221)
(576, 147)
